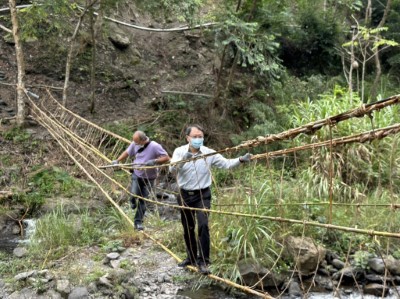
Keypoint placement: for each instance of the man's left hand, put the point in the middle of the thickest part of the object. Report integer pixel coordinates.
(245, 158)
(151, 163)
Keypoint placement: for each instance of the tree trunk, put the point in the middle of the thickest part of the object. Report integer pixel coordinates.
(378, 74)
(92, 68)
(21, 106)
(69, 57)
(368, 13)
(71, 50)
(352, 60)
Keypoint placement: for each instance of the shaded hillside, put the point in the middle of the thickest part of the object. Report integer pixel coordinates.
(128, 77)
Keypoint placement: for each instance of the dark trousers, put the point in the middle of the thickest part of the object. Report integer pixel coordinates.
(141, 187)
(198, 249)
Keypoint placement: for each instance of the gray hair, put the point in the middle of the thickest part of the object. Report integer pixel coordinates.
(142, 136)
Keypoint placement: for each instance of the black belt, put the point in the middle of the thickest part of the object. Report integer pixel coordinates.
(193, 192)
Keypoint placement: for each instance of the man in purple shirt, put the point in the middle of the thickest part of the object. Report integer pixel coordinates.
(145, 153)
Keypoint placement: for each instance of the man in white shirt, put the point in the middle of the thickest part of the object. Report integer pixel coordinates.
(194, 181)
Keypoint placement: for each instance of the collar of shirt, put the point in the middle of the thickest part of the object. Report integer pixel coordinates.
(197, 153)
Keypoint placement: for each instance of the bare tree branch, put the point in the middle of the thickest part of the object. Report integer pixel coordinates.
(5, 29)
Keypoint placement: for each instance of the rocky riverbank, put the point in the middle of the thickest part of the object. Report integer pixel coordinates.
(146, 271)
(140, 272)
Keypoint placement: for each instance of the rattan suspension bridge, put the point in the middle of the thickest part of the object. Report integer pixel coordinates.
(89, 146)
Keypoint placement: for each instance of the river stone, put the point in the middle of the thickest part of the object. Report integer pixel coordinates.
(338, 264)
(105, 282)
(377, 278)
(46, 274)
(16, 230)
(392, 265)
(377, 265)
(295, 290)
(375, 289)
(20, 251)
(113, 255)
(323, 271)
(92, 287)
(52, 294)
(252, 272)
(24, 293)
(79, 293)
(115, 263)
(349, 274)
(120, 41)
(324, 282)
(305, 253)
(162, 278)
(24, 275)
(330, 255)
(63, 286)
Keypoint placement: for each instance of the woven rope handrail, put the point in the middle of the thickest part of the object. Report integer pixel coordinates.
(262, 140)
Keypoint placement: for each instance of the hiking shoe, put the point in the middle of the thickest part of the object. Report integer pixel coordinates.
(139, 226)
(133, 203)
(203, 269)
(186, 262)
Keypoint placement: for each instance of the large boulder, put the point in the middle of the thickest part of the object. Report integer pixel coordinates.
(118, 37)
(305, 254)
(254, 274)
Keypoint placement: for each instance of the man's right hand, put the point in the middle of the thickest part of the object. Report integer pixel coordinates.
(187, 155)
(115, 162)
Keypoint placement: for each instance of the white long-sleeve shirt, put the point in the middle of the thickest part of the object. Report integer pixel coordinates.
(195, 175)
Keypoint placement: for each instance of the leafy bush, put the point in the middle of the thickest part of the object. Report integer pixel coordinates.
(53, 181)
(361, 259)
(16, 134)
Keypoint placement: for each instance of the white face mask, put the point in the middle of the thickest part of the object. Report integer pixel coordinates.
(197, 142)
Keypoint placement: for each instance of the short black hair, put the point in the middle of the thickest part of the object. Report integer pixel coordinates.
(190, 127)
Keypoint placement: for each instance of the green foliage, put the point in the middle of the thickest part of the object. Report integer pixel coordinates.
(357, 166)
(53, 181)
(256, 48)
(45, 18)
(169, 9)
(361, 259)
(371, 36)
(114, 246)
(341, 242)
(122, 129)
(57, 231)
(309, 45)
(236, 238)
(10, 266)
(16, 134)
(115, 221)
(32, 200)
(396, 254)
(94, 276)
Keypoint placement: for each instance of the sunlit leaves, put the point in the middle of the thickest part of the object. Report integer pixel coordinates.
(45, 17)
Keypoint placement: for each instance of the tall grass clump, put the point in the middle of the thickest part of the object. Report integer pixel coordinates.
(355, 168)
(236, 238)
(57, 231)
